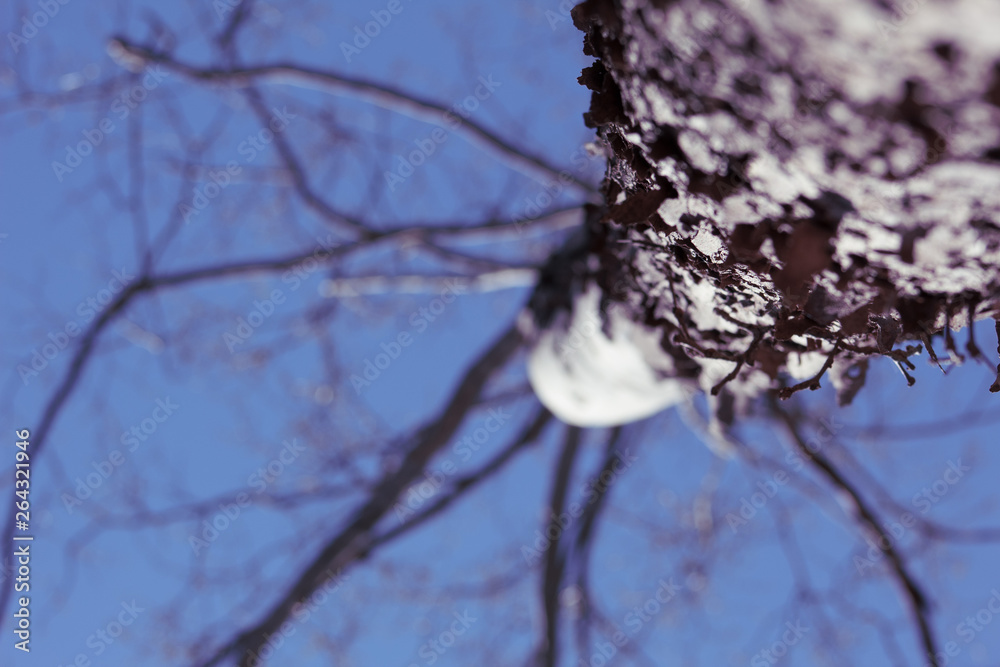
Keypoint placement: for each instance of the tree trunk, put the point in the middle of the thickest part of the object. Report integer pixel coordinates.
(796, 187)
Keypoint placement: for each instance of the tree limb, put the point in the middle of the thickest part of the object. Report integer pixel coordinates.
(555, 558)
(867, 518)
(354, 539)
(384, 95)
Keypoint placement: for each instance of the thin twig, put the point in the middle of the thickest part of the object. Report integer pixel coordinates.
(867, 517)
(555, 558)
(355, 537)
(378, 93)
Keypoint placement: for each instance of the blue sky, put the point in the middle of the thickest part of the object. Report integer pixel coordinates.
(174, 416)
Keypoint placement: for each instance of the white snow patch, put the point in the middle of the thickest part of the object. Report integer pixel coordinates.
(709, 244)
(802, 365)
(589, 380)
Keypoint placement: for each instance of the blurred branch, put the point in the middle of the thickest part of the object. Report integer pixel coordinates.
(555, 558)
(242, 11)
(63, 391)
(929, 429)
(927, 527)
(355, 538)
(867, 518)
(298, 175)
(584, 539)
(492, 281)
(588, 519)
(461, 486)
(142, 285)
(383, 95)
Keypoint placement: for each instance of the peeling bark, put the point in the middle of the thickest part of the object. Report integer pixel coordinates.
(796, 187)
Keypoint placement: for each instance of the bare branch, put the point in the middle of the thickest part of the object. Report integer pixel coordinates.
(867, 518)
(555, 558)
(464, 484)
(491, 281)
(355, 538)
(995, 387)
(384, 95)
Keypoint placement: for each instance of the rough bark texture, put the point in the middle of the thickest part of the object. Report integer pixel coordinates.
(799, 186)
